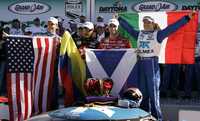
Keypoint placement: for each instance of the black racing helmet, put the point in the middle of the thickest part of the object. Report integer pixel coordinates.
(133, 94)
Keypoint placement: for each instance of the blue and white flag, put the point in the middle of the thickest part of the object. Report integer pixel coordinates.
(117, 64)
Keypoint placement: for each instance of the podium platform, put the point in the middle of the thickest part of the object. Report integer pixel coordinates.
(97, 113)
(188, 115)
(4, 112)
(172, 109)
(180, 109)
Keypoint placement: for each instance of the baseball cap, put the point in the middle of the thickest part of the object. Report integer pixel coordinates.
(7, 26)
(113, 21)
(53, 20)
(148, 18)
(88, 25)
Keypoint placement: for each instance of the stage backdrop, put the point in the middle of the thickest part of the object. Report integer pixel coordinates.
(26, 10)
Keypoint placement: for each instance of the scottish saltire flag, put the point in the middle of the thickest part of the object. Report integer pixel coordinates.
(178, 47)
(117, 64)
(45, 53)
(71, 68)
(20, 61)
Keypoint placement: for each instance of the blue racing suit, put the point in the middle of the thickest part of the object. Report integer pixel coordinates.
(148, 67)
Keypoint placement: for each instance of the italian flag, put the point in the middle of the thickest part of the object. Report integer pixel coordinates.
(179, 47)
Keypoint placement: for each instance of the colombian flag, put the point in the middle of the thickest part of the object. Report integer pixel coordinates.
(72, 71)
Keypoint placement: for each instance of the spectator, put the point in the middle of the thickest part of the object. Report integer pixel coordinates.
(16, 28)
(114, 40)
(60, 29)
(100, 19)
(6, 29)
(100, 31)
(87, 38)
(52, 26)
(73, 27)
(36, 28)
(78, 34)
(82, 19)
(27, 32)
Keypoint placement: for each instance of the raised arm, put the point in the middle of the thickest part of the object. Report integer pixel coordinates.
(172, 28)
(128, 28)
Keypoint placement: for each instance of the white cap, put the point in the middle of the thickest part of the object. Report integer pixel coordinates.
(53, 20)
(113, 21)
(88, 25)
(101, 24)
(148, 18)
(7, 25)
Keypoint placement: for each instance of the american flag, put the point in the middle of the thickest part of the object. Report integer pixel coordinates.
(31, 62)
(20, 61)
(45, 49)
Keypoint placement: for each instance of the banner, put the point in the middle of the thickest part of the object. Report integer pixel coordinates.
(107, 8)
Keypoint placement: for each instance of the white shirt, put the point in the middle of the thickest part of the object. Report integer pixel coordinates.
(100, 37)
(36, 29)
(14, 31)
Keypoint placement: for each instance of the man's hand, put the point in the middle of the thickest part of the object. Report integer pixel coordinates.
(191, 14)
(82, 52)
